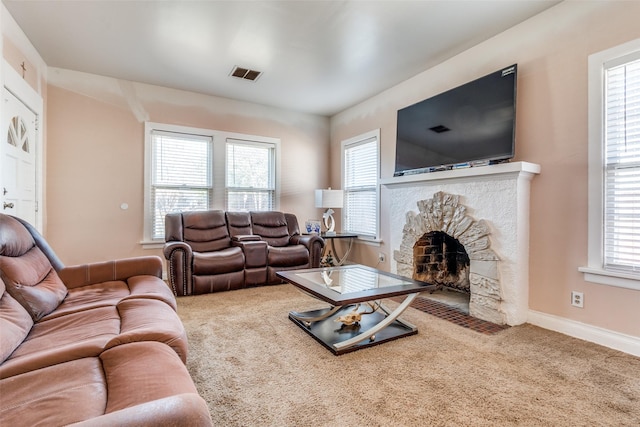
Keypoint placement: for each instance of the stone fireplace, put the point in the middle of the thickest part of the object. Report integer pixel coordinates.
(467, 230)
(443, 245)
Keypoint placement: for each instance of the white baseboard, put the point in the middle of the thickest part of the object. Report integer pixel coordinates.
(622, 342)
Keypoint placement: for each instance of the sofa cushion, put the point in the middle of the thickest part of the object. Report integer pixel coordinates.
(89, 297)
(239, 223)
(110, 293)
(222, 261)
(150, 320)
(141, 372)
(27, 272)
(206, 231)
(152, 287)
(87, 333)
(271, 226)
(139, 383)
(15, 239)
(39, 297)
(184, 409)
(54, 396)
(288, 256)
(65, 338)
(15, 323)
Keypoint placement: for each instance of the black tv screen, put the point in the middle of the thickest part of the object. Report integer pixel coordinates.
(472, 123)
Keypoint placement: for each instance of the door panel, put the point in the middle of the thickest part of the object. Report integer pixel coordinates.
(18, 158)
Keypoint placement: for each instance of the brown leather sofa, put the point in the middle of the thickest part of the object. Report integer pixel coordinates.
(97, 344)
(213, 251)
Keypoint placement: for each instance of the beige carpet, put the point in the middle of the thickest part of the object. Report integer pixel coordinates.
(255, 367)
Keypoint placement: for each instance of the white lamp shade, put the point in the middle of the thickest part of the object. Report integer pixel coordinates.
(329, 198)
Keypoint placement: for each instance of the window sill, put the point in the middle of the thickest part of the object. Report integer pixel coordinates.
(369, 241)
(609, 278)
(150, 244)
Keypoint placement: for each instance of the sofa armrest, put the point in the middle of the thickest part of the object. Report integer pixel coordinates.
(122, 269)
(255, 252)
(179, 267)
(313, 243)
(187, 409)
(246, 238)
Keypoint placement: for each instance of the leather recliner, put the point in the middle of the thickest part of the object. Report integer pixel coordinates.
(213, 251)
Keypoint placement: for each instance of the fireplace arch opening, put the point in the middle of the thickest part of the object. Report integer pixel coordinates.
(442, 260)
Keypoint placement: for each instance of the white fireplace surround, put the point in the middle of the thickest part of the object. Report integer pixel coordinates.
(496, 199)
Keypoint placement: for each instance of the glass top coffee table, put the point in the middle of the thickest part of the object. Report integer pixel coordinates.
(356, 316)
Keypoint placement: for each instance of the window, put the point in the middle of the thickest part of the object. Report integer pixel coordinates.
(180, 175)
(614, 167)
(622, 167)
(250, 183)
(360, 168)
(198, 169)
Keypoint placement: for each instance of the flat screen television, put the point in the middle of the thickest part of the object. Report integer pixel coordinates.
(468, 125)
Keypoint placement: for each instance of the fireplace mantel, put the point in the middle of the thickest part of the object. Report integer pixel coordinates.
(477, 171)
(497, 195)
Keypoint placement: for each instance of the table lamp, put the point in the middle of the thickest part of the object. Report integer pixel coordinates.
(329, 199)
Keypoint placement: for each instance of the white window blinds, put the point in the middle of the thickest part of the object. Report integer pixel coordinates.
(360, 187)
(250, 171)
(622, 166)
(180, 176)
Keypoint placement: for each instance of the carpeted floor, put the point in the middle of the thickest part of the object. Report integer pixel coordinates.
(255, 367)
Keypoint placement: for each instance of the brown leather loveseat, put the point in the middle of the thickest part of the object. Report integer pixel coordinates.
(97, 344)
(212, 251)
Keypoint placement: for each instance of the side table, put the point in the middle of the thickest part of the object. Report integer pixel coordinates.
(332, 238)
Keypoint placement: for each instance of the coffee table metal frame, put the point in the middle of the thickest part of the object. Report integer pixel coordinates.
(380, 326)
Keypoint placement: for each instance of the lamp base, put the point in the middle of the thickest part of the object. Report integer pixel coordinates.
(329, 222)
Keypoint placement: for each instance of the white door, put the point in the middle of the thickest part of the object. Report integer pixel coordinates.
(18, 159)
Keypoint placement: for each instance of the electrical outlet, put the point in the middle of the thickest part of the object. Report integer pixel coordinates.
(577, 299)
(381, 257)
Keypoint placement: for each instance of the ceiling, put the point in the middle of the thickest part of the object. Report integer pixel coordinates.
(316, 57)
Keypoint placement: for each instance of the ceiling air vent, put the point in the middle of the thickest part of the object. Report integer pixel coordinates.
(245, 73)
(439, 129)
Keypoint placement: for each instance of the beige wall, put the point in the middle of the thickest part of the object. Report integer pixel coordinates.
(96, 156)
(551, 50)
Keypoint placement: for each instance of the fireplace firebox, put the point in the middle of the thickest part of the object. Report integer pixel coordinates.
(442, 260)
(452, 250)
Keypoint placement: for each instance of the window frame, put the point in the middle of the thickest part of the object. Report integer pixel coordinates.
(345, 144)
(595, 270)
(217, 169)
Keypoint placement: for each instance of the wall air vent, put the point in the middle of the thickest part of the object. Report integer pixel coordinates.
(245, 73)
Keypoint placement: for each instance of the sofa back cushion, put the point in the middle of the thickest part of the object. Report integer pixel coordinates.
(27, 272)
(271, 226)
(239, 223)
(292, 224)
(206, 231)
(15, 323)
